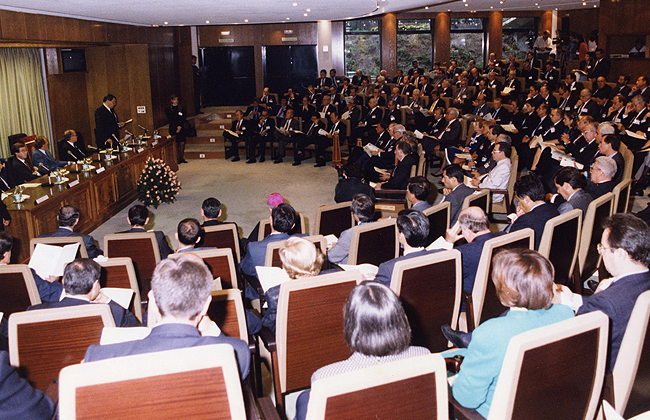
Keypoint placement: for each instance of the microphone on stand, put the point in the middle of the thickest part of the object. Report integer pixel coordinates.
(117, 142)
(44, 167)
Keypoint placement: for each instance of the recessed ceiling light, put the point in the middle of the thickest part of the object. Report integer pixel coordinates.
(181, 24)
(295, 4)
(584, 3)
(595, 5)
(165, 23)
(245, 20)
(308, 10)
(491, 7)
(288, 18)
(305, 14)
(536, 4)
(207, 21)
(426, 7)
(225, 33)
(155, 26)
(466, 5)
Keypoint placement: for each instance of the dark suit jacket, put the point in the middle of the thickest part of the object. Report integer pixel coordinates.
(401, 174)
(46, 160)
(373, 117)
(105, 125)
(579, 200)
(589, 108)
(170, 337)
(600, 68)
(596, 190)
(256, 253)
(394, 116)
(620, 167)
(48, 291)
(71, 152)
(122, 317)
(617, 302)
(18, 400)
(348, 187)
(18, 172)
(163, 245)
(385, 272)
(456, 198)
(470, 255)
(451, 135)
(4, 214)
(89, 242)
(502, 116)
(536, 220)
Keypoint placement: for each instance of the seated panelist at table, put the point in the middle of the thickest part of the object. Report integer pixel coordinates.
(70, 149)
(19, 166)
(42, 158)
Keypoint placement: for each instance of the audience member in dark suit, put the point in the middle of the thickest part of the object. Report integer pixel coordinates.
(586, 105)
(500, 114)
(5, 184)
(254, 110)
(240, 127)
(622, 87)
(324, 141)
(179, 127)
(417, 193)
(138, 218)
(262, 132)
(210, 212)
(455, 190)
(311, 136)
(71, 150)
(189, 235)
(532, 211)
(398, 178)
(323, 81)
(363, 211)
(609, 146)
(178, 300)
(68, 217)
(107, 127)
(49, 290)
(601, 67)
(81, 283)
(413, 227)
(551, 76)
(392, 114)
(352, 184)
(570, 183)
(286, 134)
(512, 87)
(42, 159)
(625, 252)
(368, 123)
(601, 177)
(19, 167)
(473, 225)
(267, 99)
(18, 400)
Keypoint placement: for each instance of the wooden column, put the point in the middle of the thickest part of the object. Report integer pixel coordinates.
(441, 38)
(389, 43)
(495, 34)
(546, 23)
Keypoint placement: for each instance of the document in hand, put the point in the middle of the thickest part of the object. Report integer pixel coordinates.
(369, 148)
(50, 260)
(232, 133)
(322, 132)
(271, 276)
(368, 271)
(119, 295)
(418, 134)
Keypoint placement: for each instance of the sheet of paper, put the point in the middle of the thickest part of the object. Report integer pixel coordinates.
(322, 114)
(271, 276)
(440, 243)
(322, 132)
(463, 155)
(635, 135)
(231, 132)
(112, 335)
(368, 271)
(46, 259)
(346, 115)
(331, 240)
(418, 134)
(406, 107)
(120, 296)
(68, 254)
(382, 170)
(508, 127)
(507, 90)
(30, 184)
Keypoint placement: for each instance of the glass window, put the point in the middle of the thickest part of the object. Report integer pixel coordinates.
(467, 40)
(518, 36)
(362, 47)
(414, 42)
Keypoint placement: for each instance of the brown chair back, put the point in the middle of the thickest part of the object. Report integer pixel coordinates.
(222, 236)
(430, 289)
(120, 273)
(196, 382)
(478, 199)
(439, 218)
(43, 341)
(19, 290)
(227, 311)
(622, 196)
(333, 219)
(272, 258)
(82, 252)
(220, 263)
(374, 243)
(142, 248)
(560, 242)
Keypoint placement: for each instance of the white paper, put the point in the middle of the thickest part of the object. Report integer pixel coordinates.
(507, 90)
(331, 240)
(346, 115)
(232, 133)
(119, 295)
(50, 260)
(368, 271)
(30, 185)
(382, 171)
(322, 114)
(38, 200)
(635, 135)
(271, 276)
(73, 183)
(508, 127)
(100, 170)
(407, 108)
(112, 335)
(418, 134)
(440, 243)
(322, 132)
(463, 156)
(369, 148)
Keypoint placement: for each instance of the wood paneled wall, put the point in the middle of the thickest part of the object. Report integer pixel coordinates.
(69, 104)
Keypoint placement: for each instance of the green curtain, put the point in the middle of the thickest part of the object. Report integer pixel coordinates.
(23, 107)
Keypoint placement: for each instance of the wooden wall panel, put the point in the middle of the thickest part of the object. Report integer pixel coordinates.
(242, 35)
(37, 25)
(164, 78)
(338, 56)
(69, 104)
(441, 38)
(580, 21)
(389, 43)
(100, 33)
(307, 33)
(13, 25)
(495, 34)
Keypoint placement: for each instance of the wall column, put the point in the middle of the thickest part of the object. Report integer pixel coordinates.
(324, 47)
(495, 34)
(546, 23)
(389, 43)
(441, 46)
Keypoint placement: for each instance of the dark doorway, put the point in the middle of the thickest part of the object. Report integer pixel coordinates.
(229, 75)
(289, 66)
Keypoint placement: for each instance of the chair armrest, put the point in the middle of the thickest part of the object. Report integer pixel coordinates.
(267, 409)
(469, 310)
(268, 338)
(461, 413)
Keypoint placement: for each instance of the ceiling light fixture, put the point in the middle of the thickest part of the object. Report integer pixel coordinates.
(207, 21)
(305, 14)
(288, 18)
(295, 4)
(225, 33)
(245, 20)
(165, 23)
(426, 7)
(308, 10)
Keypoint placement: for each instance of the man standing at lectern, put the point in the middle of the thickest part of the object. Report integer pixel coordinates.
(106, 124)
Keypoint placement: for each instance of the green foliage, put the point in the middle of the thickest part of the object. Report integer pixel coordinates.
(157, 184)
(465, 47)
(366, 25)
(411, 47)
(413, 25)
(362, 52)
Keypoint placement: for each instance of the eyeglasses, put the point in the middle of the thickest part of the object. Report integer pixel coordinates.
(600, 247)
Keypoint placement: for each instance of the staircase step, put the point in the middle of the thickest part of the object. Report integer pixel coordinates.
(205, 155)
(210, 139)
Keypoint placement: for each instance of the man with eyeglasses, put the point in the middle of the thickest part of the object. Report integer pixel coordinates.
(625, 249)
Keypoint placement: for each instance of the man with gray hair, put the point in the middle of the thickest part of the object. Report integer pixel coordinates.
(602, 173)
(178, 301)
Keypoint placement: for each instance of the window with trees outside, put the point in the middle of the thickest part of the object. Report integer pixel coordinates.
(414, 42)
(362, 47)
(467, 39)
(518, 36)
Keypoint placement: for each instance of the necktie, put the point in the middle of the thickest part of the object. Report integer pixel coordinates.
(286, 125)
(239, 125)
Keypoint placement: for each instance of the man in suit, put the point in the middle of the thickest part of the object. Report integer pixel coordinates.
(600, 179)
(500, 114)
(19, 166)
(267, 99)
(283, 219)
(397, 80)
(481, 108)
(570, 183)
(532, 211)
(286, 134)
(178, 301)
(530, 74)
(449, 136)
(254, 110)
(625, 249)
(601, 67)
(482, 89)
(608, 146)
(71, 150)
(393, 115)
(454, 191)
(107, 127)
(323, 82)
(304, 111)
(417, 193)
(399, 176)
(363, 211)
(43, 159)
(568, 98)
(18, 400)
(602, 89)
(336, 128)
(413, 228)
(210, 213)
(326, 108)
(189, 235)
(262, 132)
(240, 127)
(586, 105)
(415, 68)
(358, 78)
(499, 176)
(81, 284)
(551, 76)
(548, 99)
(369, 122)
(572, 84)
(622, 87)
(311, 136)
(138, 218)
(68, 218)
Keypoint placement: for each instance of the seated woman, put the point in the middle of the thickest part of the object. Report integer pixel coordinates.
(300, 258)
(375, 328)
(479, 138)
(524, 283)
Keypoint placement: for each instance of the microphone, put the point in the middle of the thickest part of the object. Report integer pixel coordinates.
(142, 128)
(127, 132)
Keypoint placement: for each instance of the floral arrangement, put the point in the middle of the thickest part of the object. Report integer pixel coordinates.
(158, 184)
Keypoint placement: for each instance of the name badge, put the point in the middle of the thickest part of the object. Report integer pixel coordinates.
(40, 200)
(392, 118)
(73, 183)
(100, 170)
(180, 113)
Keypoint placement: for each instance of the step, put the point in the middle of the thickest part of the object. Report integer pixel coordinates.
(210, 139)
(205, 155)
